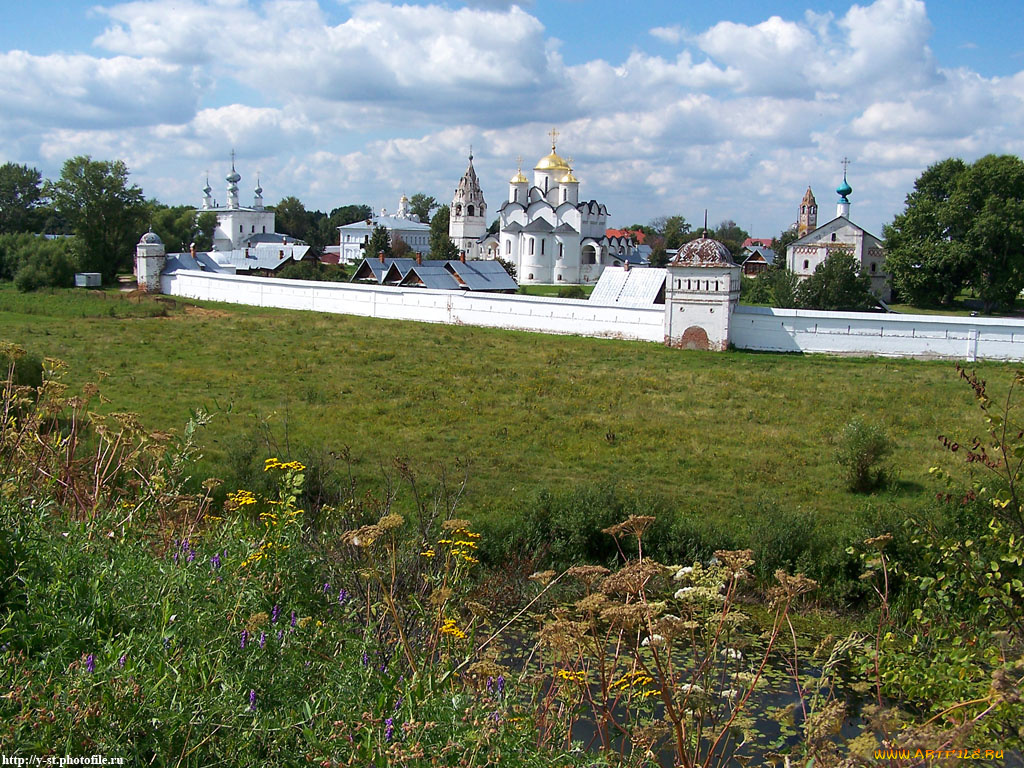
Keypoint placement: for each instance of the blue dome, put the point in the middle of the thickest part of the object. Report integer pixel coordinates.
(844, 189)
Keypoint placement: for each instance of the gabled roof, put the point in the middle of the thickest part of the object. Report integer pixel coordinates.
(514, 227)
(836, 223)
(751, 242)
(622, 287)
(638, 236)
(566, 228)
(430, 274)
(373, 269)
(482, 275)
(538, 225)
(760, 253)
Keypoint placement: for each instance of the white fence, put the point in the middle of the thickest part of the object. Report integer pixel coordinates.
(889, 335)
(754, 328)
(494, 310)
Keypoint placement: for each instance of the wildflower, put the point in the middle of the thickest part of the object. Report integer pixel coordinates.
(398, 704)
(327, 587)
(280, 635)
(428, 553)
(490, 684)
(501, 685)
(252, 700)
(215, 562)
(653, 641)
(90, 663)
(732, 653)
(293, 618)
(449, 628)
(685, 571)
(263, 640)
(122, 660)
(274, 614)
(342, 596)
(389, 729)
(729, 693)
(191, 555)
(245, 636)
(366, 659)
(683, 592)
(496, 716)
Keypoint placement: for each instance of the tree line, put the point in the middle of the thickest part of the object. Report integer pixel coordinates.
(90, 218)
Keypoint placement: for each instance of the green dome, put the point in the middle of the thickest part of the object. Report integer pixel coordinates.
(844, 189)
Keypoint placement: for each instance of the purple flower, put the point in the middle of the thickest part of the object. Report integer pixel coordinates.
(191, 555)
(280, 635)
(383, 668)
(501, 685)
(263, 640)
(252, 700)
(90, 663)
(293, 618)
(215, 562)
(496, 716)
(366, 659)
(398, 704)
(274, 614)
(176, 555)
(122, 660)
(389, 729)
(245, 636)
(342, 596)
(490, 684)
(327, 587)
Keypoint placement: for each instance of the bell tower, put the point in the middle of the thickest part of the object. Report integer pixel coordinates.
(808, 219)
(468, 217)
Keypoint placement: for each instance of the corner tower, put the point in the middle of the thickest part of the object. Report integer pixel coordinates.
(467, 224)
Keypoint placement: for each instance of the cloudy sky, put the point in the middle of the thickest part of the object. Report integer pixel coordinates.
(666, 106)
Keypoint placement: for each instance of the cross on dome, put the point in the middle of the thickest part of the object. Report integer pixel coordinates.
(553, 133)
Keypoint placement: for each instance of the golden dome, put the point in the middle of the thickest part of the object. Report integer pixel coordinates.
(519, 178)
(569, 178)
(551, 162)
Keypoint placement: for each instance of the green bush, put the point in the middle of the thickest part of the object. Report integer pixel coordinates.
(860, 449)
(572, 292)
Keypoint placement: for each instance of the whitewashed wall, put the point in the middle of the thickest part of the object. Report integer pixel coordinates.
(511, 311)
(890, 335)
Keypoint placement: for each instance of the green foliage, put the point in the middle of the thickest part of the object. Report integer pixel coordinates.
(571, 292)
(379, 243)
(441, 246)
(961, 227)
(775, 287)
(20, 198)
(311, 269)
(860, 448)
(106, 213)
(671, 229)
(838, 283)
(508, 266)
(781, 243)
(292, 218)
(181, 225)
(730, 234)
(422, 205)
(34, 262)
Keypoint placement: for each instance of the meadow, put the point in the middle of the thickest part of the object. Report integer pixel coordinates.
(729, 449)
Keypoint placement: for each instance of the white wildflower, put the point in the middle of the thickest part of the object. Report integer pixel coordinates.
(653, 640)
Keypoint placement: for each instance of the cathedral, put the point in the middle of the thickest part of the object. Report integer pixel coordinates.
(546, 231)
(815, 243)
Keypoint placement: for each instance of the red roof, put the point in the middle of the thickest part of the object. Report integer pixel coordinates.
(637, 235)
(752, 241)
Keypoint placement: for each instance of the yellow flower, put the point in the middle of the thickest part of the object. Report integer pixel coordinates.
(449, 628)
(428, 553)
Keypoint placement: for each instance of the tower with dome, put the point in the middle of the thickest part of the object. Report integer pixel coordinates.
(467, 223)
(814, 245)
(238, 226)
(546, 231)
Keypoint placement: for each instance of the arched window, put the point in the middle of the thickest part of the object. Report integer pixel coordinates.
(833, 237)
(806, 263)
(531, 246)
(469, 210)
(874, 267)
(458, 210)
(508, 246)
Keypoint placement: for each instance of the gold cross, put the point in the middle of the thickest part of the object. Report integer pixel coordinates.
(845, 163)
(519, 161)
(553, 133)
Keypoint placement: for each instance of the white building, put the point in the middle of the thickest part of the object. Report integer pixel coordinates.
(546, 231)
(805, 254)
(239, 227)
(467, 222)
(404, 225)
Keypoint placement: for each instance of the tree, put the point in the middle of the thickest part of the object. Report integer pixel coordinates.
(378, 243)
(106, 213)
(838, 283)
(34, 262)
(781, 243)
(292, 218)
(509, 266)
(963, 225)
(659, 255)
(181, 225)
(494, 228)
(731, 235)
(673, 229)
(20, 195)
(422, 205)
(400, 248)
(441, 246)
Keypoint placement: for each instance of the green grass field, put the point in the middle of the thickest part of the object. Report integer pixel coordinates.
(713, 435)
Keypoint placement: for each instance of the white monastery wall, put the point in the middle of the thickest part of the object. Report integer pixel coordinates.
(496, 310)
(887, 335)
(753, 328)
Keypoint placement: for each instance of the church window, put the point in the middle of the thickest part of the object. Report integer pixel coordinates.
(469, 210)
(561, 251)
(542, 247)
(508, 246)
(264, 229)
(458, 210)
(874, 267)
(253, 229)
(806, 263)
(531, 246)
(565, 194)
(833, 237)
(716, 285)
(545, 185)
(515, 195)
(559, 277)
(530, 276)
(239, 229)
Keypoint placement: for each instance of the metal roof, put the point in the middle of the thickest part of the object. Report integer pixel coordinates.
(482, 275)
(268, 257)
(376, 270)
(759, 250)
(431, 274)
(623, 287)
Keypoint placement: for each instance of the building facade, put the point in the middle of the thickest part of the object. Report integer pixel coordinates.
(806, 253)
(402, 225)
(467, 222)
(238, 226)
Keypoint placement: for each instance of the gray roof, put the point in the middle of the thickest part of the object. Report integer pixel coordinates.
(431, 274)
(377, 270)
(267, 257)
(759, 250)
(483, 275)
(203, 262)
(622, 287)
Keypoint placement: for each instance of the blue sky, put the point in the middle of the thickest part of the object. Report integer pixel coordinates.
(666, 107)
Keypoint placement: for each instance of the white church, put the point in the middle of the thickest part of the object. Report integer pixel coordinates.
(815, 243)
(546, 231)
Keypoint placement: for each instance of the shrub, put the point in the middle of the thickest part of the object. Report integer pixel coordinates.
(861, 446)
(571, 292)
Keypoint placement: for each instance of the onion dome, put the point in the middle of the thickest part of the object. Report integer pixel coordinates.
(551, 162)
(207, 189)
(151, 238)
(569, 178)
(259, 189)
(519, 178)
(703, 252)
(844, 189)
